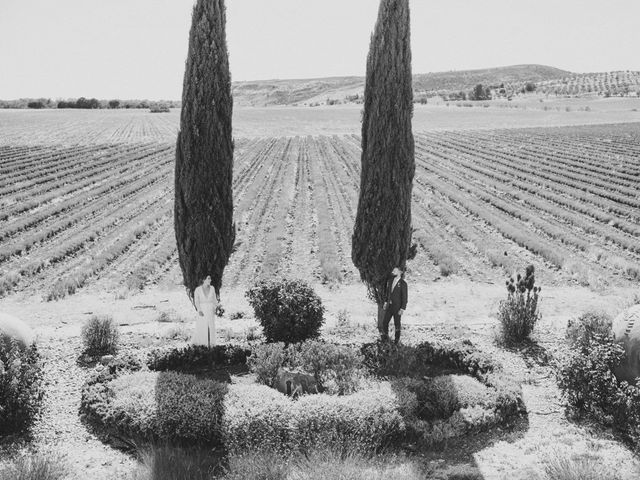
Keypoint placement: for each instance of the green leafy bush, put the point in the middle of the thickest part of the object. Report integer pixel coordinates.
(588, 328)
(100, 336)
(519, 313)
(21, 388)
(336, 368)
(586, 378)
(587, 381)
(288, 310)
(265, 360)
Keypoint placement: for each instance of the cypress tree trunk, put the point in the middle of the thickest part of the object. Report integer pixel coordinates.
(204, 226)
(382, 231)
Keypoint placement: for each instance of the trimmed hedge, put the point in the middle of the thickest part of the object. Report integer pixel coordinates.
(181, 408)
(194, 357)
(257, 416)
(438, 405)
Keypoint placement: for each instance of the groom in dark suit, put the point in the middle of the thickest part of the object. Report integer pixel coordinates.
(395, 305)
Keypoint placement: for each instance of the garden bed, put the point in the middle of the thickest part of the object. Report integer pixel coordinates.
(384, 397)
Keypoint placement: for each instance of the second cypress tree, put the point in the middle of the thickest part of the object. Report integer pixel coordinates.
(382, 231)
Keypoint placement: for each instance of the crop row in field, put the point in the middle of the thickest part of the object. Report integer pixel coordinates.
(485, 203)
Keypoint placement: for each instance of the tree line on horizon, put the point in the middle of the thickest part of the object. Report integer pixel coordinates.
(86, 103)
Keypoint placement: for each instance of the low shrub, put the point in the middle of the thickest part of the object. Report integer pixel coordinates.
(100, 336)
(265, 360)
(519, 313)
(441, 396)
(323, 463)
(587, 381)
(257, 416)
(426, 359)
(578, 467)
(194, 357)
(588, 328)
(336, 368)
(36, 466)
(369, 418)
(436, 401)
(288, 310)
(146, 405)
(164, 462)
(21, 386)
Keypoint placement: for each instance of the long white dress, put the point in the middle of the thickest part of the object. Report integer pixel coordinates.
(205, 332)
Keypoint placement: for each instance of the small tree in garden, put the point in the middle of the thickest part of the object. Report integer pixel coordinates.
(519, 313)
(382, 231)
(288, 310)
(204, 226)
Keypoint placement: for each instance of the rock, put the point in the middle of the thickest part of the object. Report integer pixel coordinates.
(106, 359)
(13, 328)
(626, 331)
(295, 383)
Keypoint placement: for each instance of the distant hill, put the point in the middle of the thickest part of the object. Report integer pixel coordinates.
(319, 90)
(619, 83)
(467, 79)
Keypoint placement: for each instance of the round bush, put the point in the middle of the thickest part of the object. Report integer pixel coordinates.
(21, 388)
(288, 310)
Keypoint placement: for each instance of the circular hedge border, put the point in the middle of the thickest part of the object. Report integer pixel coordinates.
(503, 405)
(134, 401)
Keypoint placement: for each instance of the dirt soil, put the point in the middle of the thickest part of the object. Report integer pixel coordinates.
(450, 308)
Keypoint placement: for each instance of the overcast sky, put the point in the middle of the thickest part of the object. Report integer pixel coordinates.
(137, 48)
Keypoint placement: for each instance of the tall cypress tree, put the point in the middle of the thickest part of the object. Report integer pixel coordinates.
(382, 231)
(204, 226)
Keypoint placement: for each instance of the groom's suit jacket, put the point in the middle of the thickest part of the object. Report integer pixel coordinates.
(398, 296)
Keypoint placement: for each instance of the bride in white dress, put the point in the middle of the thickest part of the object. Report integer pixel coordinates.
(206, 301)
